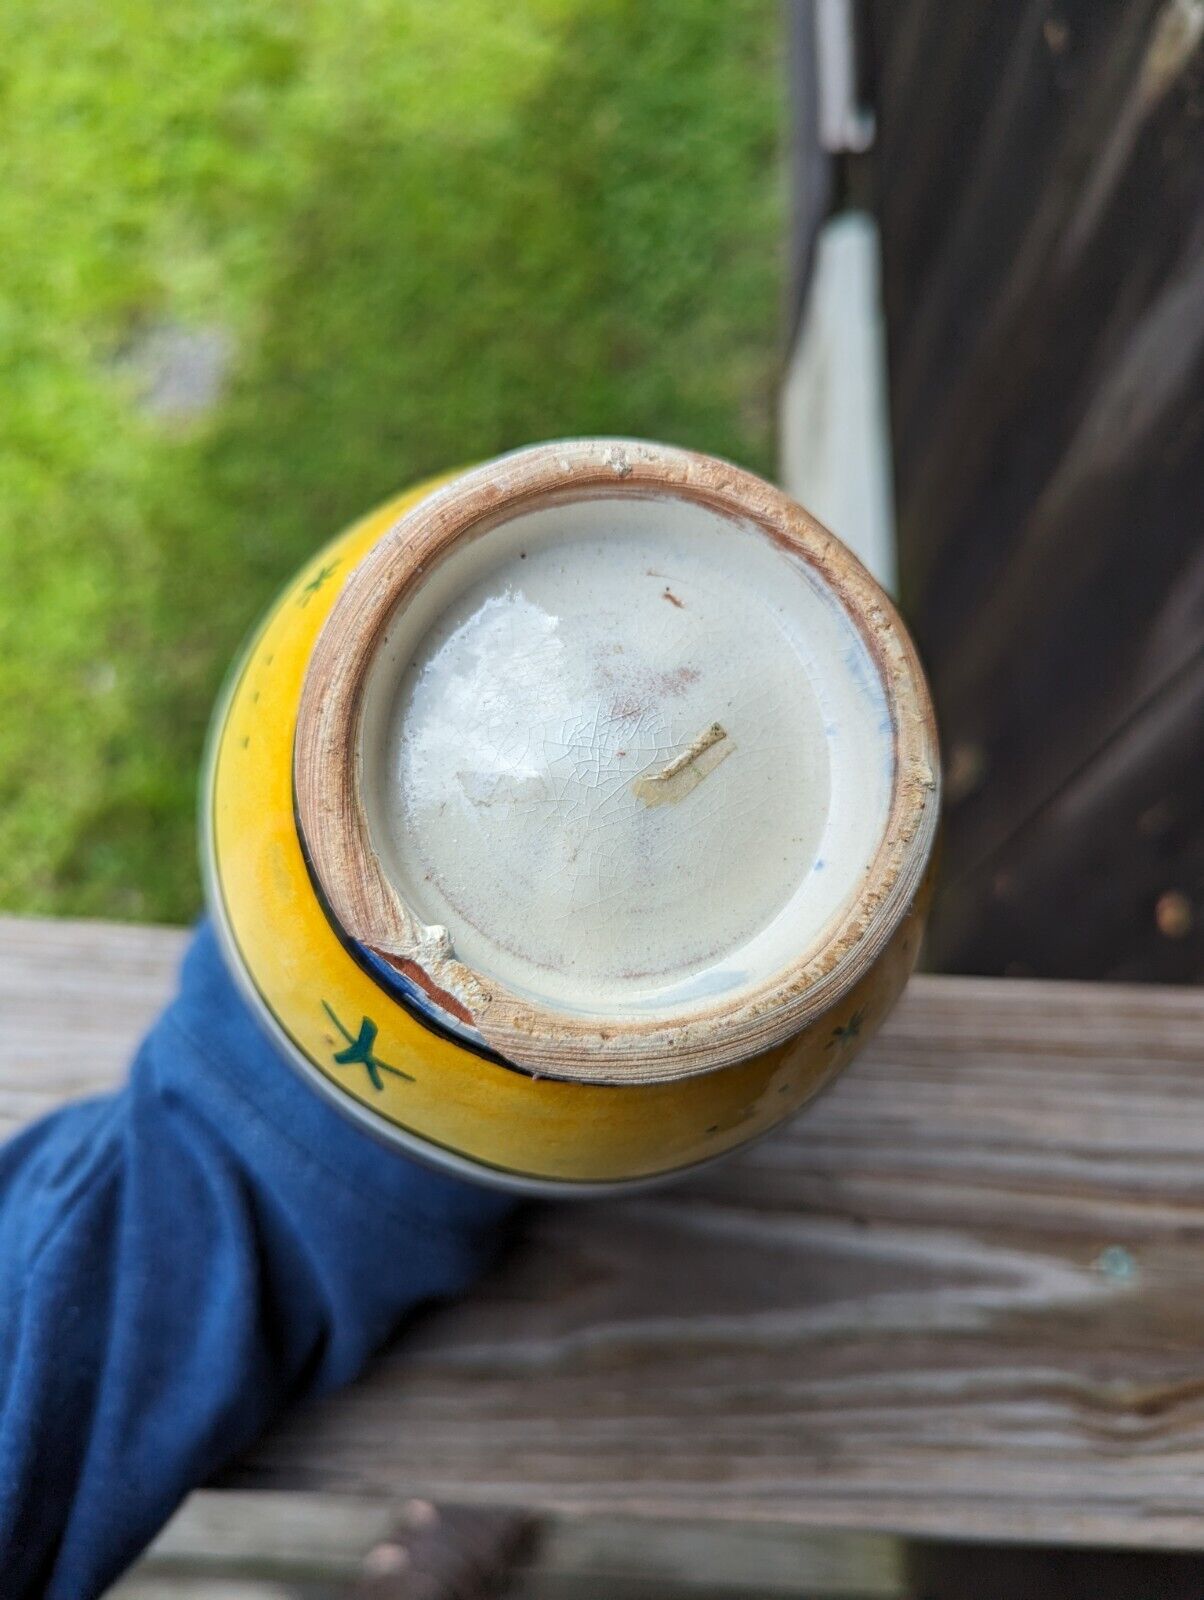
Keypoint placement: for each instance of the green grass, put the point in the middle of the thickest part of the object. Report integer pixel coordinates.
(429, 229)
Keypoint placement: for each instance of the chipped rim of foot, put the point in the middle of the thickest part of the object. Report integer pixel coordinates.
(514, 1028)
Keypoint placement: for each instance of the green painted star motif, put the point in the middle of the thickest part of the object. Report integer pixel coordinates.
(316, 582)
(361, 1052)
(848, 1030)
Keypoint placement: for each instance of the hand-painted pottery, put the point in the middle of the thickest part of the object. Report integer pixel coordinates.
(568, 821)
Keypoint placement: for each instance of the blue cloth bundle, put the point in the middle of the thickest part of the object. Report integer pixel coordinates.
(181, 1260)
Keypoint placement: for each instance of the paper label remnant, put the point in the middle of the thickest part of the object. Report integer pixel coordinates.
(686, 771)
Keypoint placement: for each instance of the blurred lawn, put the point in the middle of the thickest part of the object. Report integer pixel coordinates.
(424, 232)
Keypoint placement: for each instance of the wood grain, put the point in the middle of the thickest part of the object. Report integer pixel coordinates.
(321, 1544)
(1041, 197)
(961, 1297)
(74, 999)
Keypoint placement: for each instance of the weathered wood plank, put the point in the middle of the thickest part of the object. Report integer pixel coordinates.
(223, 1543)
(1128, 824)
(74, 999)
(152, 1586)
(305, 1541)
(1041, 197)
(605, 1558)
(276, 1537)
(961, 1297)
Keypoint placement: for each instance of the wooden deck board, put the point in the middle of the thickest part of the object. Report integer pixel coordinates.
(318, 1544)
(962, 1297)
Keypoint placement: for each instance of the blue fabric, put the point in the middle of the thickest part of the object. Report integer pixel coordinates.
(179, 1261)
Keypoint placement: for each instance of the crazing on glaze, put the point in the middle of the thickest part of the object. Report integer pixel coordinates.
(614, 803)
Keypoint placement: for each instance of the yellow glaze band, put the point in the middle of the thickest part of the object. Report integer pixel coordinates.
(397, 1069)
